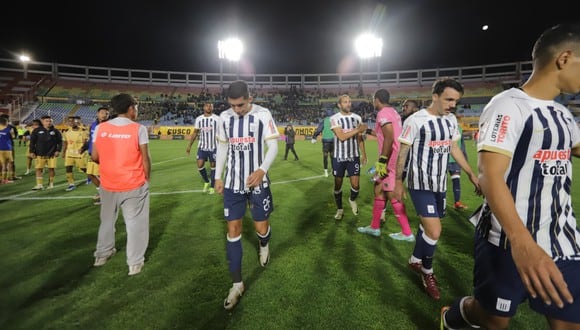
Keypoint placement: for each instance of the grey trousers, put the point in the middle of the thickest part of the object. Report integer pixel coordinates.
(134, 205)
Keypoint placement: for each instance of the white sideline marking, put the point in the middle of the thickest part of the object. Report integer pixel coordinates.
(21, 196)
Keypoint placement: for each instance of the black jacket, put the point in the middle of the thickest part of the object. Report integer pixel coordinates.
(45, 142)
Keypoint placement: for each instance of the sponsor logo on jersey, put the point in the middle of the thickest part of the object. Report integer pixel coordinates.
(553, 162)
(500, 128)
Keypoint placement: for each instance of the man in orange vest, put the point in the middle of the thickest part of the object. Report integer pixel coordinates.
(121, 148)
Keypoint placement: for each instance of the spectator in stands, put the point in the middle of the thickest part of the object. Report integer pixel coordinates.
(45, 146)
(290, 134)
(527, 242)
(92, 166)
(122, 152)
(205, 128)
(74, 140)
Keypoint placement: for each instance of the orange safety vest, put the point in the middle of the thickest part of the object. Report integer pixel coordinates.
(120, 160)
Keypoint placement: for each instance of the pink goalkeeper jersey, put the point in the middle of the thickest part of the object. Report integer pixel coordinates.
(385, 116)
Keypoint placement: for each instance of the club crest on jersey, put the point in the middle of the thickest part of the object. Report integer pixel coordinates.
(553, 162)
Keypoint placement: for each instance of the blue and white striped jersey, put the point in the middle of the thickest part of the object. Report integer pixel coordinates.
(207, 128)
(430, 138)
(538, 136)
(246, 138)
(348, 149)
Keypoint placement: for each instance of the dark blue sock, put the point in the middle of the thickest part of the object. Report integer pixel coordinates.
(418, 250)
(212, 177)
(338, 199)
(203, 173)
(453, 318)
(353, 194)
(234, 255)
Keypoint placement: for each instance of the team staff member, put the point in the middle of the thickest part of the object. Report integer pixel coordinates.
(45, 146)
(121, 148)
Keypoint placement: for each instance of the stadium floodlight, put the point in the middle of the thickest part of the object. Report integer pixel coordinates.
(230, 49)
(24, 59)
(368, 46)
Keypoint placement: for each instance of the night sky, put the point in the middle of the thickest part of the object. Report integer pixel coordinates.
(279, 36)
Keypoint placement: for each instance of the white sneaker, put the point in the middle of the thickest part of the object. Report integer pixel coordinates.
(233, 296)
(354, 206)
(205, 187)
(326, 173)
(99, 261)
(264, 255)
(136, 269)
(38, 187)
(339, 214)
(27, 172)
(50, 186)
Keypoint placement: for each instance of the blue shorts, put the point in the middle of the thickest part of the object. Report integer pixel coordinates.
(453, 168)
(429, 204)
(207, 155)
(350, 167)
(259, 200)
(499, 288)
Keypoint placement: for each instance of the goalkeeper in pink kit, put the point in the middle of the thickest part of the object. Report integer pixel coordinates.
(388, 127)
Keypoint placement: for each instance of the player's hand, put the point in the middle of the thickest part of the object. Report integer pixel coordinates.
(363, 160)
(475, 180)
(539, 272)
(188, 150)
(313, 141)
(255, 178)
(219, 186)
(381, 166)
(399, 190)
(362, 128)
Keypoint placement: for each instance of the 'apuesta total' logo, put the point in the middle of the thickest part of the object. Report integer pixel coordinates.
(553, 162)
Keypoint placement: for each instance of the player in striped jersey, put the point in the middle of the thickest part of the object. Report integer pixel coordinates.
(247, 145)
(428, 137)
(349, 150)
(206, 128)
(527, 243)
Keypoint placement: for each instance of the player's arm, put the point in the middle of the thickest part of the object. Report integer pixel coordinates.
(401, 160)
(144, 148)
(462, 162)
(191, 140)
(538, 272)
(59, 143)
(386, 151)
(576, 150)
(343, 136)
(32, 144)
(362, 147)
(258, 175)
(220, 163)
(64, 145)
(318, 130)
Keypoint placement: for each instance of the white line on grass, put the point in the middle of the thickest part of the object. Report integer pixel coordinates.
(21, 196)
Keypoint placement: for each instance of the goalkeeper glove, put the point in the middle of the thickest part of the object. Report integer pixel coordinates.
(381, 166)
